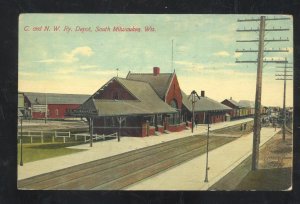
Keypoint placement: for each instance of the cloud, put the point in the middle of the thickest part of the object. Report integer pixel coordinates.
(47, 61)
(107, 72)
(79, 71)
(222, 38)
(237, 54)
(84, 51)
(70, 57)
(79, 51)
(204, 68)
(65, 71)
(222, 54)
(87, 67)
(236, 73)
(190, 66)
(27, 74)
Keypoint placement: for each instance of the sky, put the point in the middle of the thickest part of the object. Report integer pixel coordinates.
(79, 57)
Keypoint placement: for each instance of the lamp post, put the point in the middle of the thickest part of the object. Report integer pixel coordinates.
(120, 120)
(91, 131)
(194, 96)
(21, 142)
(120, 125)
(207, 141)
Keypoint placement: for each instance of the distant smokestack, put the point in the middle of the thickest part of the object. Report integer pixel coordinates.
(156, 71)
(202, 93)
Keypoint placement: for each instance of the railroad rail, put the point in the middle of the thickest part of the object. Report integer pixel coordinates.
(119, 171)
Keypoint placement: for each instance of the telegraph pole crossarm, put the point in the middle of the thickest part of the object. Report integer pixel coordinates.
(283, 75)
(266, 19)
(266, 40)
(255, 61)
(264, 50)
(282, 71)
(257, 30)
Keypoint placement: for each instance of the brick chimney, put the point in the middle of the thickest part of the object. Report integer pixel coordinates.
(156, 71)
(202, 93)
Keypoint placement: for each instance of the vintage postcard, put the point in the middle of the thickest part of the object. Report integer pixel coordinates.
(155, 102)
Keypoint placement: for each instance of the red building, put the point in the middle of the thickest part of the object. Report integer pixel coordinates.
(54, 105)
(166, 86)
(205, 109)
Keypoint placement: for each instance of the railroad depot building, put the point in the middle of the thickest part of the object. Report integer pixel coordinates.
(205, 109)
(144, 104)
(37, 105)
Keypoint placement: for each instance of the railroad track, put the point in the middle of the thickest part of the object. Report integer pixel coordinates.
(117, 172)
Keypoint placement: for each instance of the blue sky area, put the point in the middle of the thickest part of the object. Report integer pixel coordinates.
(203, 53)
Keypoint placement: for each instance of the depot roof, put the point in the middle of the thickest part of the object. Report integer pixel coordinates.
(55, 98)
(147, 103)
(159, 83)
(204, 104)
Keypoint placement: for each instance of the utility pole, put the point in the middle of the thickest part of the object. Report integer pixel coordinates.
(46, 110)
(172, 63)
(286, 76)
(260, 62)
(195, 98)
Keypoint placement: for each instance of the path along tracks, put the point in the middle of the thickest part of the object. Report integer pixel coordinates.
(119, 171)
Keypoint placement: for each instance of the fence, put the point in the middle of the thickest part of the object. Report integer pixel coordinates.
(43, 134)
(95, 136)
(64, 135)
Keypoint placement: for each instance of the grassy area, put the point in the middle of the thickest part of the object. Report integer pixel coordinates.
(34, 152)
(274, 173)
(267, 179)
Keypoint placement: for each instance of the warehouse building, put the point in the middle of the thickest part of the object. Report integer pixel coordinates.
(248, 107)
(242, 109)
(235, 107)
(51, 105)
